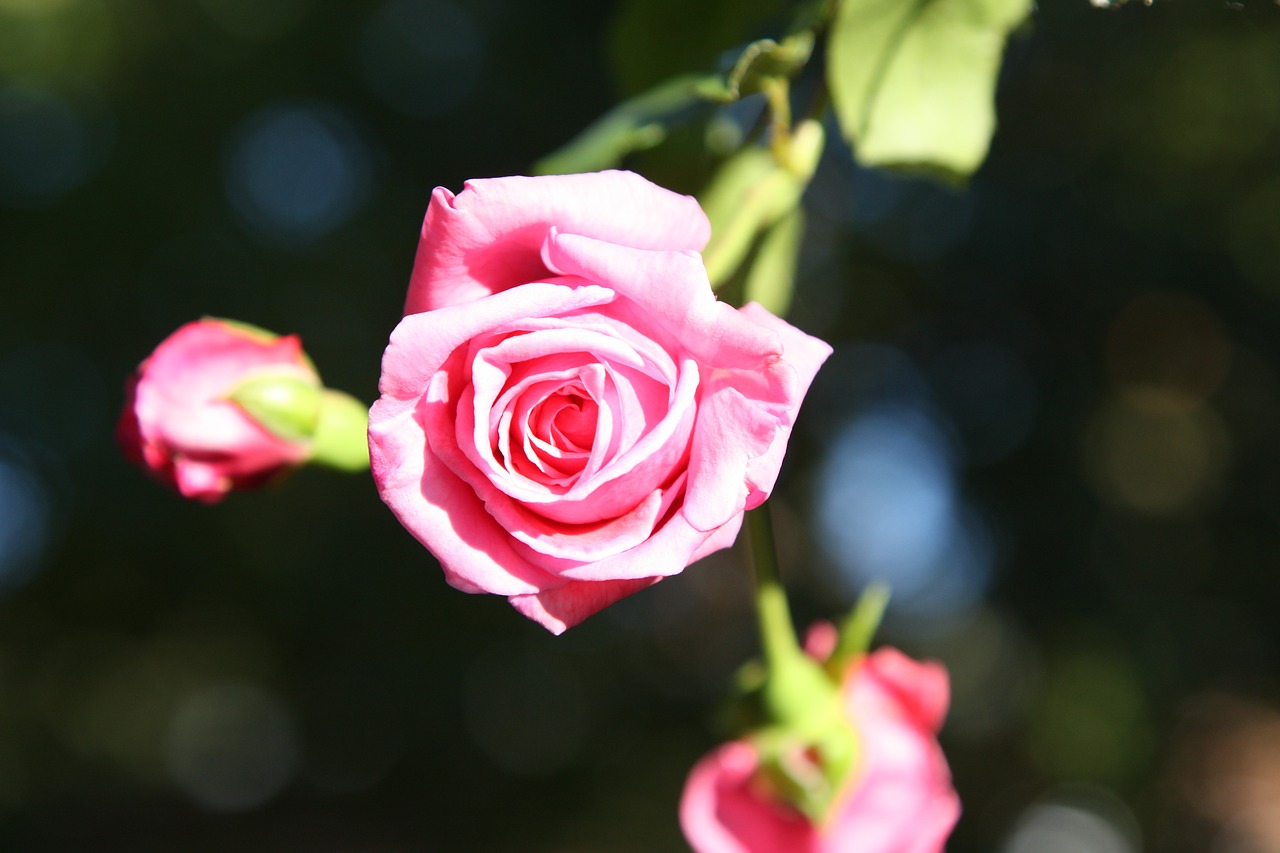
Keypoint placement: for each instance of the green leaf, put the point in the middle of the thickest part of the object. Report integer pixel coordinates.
(634, 125)
(751, 191)
(913, 81)
(748, 192)
(772, 276)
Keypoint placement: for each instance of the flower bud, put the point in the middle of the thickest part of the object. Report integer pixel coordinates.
(773, 791)
(219, 406)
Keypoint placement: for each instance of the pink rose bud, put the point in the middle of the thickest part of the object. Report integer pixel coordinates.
(568, 415)
(899, 798)
(219, 406)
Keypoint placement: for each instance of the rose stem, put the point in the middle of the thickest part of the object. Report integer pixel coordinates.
(777, 635)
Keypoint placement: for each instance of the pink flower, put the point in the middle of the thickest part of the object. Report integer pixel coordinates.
(568, 414)
(900, 799)
(179, 423)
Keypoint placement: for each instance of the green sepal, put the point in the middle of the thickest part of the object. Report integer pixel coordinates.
(286, 406)
(341, 436)
(858, 628)
(798, 722)
(810, 752)
(250, 331)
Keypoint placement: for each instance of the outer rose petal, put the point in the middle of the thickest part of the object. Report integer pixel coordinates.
(820, 640)
(672, 289)
(487, 238)
(560, 609)
(903, 801)
(732, 430)
(805, 354)
(920, 688)
(900, 801)
(442, 511)
(721, 813)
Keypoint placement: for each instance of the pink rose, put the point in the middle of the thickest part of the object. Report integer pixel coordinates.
(179, 423)
(568, 415)
(900, 799)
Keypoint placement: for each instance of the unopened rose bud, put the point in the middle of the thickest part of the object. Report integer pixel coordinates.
(222, 406)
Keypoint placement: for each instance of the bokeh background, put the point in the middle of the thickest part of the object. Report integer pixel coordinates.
(1051, 423)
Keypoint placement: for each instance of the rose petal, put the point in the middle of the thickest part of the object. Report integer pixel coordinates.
(200, 480)
(487, 238)
(805, 354)
(921, 688)
(180, 400)
(674, 545)
(671, 289)
(731, 431)
(580, 543)
(421, 342)
(559, 609)
(723, 537)
(612, 490)
(441, 511)
(720, 812)
(205, 358)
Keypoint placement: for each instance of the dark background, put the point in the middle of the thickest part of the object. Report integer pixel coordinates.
(1051, 422)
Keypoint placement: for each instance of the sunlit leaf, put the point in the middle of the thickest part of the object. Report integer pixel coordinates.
(913, 81)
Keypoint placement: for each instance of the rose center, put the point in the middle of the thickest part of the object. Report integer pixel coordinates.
(561, 430)
(573, 427)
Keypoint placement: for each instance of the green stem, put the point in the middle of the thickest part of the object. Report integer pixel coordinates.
(799, 697)
(341, 439)
(777, 634)
(777, 93)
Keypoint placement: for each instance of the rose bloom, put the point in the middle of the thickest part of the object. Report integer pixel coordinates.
(899, 800)
(179, 425)
(568, 415)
